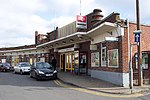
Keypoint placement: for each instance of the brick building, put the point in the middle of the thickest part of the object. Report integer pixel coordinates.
(102, 50)
(27, 53)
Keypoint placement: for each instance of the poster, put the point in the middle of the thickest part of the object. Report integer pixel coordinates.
(113, 58)
(95, 59)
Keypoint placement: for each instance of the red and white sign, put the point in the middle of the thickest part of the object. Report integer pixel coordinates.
(81, 18)
(81, 22)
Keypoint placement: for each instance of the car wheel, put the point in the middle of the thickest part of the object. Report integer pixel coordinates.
(36, 77)
(21, 72)
(14, 72)
(55, 77)
(31, 75)
(4, 70)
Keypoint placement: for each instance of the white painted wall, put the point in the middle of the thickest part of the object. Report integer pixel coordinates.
(121, 79)
(101, 37)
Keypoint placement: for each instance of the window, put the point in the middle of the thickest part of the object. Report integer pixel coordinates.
(113, 58)
(103, 56)
(95, 59)
(145, 61)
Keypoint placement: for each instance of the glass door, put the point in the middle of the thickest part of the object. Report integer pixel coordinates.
(70, 61)
(62, 62)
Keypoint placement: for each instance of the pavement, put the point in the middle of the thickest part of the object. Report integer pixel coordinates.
(93, 84)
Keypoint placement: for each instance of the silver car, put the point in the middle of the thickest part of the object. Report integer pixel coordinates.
(22, 67)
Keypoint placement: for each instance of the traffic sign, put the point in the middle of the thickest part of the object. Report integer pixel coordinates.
(137, 37)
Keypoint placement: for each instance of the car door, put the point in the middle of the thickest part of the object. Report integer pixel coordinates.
(17, 68)
(0, 67)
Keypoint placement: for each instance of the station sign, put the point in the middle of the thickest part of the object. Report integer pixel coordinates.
(81, 22)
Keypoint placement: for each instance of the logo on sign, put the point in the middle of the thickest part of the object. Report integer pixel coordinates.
(81, 18)
(137, 38)
(81, 22)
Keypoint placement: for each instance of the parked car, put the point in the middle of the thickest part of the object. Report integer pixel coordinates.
(5, 67)
(43, 70)
(22, 67)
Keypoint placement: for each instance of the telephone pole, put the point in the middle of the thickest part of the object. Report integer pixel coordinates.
(140, 78)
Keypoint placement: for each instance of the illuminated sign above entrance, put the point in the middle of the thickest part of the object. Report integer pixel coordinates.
(66, 50)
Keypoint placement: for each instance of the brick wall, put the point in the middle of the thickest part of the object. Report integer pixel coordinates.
(85, 48)
(145, 46)
(109, 46)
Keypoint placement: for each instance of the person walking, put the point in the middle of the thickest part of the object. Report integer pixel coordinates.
(54, 62)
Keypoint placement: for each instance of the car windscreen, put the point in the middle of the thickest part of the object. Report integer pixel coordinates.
(43, 65)
(6, 64)
(25, 65)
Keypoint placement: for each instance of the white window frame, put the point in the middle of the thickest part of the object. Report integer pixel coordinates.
(117, 59)
(144, 66)
(102, 64)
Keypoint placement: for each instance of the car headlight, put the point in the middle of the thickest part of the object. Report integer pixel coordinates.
(55, 71)
(40, 72)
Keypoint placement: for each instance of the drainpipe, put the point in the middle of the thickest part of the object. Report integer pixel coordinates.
(130, 57)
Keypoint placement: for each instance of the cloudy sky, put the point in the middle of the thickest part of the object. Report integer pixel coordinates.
(19, 19)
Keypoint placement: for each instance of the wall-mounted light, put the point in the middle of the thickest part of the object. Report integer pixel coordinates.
(64, 42)
(47, 46)
(80, 36)
(57, 44)
(51, 46)
(110, 32)
(71, 40)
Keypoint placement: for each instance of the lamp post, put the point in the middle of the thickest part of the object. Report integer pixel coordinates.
(140, 79)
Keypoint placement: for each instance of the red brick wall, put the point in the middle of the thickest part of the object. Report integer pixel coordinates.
(85, 47)
(145, 46)
(124, 52)
(109, 46)
(145, 37)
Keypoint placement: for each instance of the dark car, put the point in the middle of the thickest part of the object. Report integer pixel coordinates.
(4, 67)
(43, 70)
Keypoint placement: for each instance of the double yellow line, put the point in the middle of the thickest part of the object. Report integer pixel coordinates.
(61, 84)
(96, 92)
(57, 82)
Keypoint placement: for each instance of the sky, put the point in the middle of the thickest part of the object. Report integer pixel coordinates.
(19, 19)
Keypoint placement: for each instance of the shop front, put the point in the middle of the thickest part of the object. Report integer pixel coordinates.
(67, 61)
(73, 61)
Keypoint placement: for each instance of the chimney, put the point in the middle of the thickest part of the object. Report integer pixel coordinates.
(36, 37)
(96, 16)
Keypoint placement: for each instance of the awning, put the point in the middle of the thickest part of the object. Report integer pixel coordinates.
(77, 37)
(102, 28)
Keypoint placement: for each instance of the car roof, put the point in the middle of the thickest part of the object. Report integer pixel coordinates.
(23, 62)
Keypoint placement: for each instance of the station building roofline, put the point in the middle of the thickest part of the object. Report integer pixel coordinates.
(25, 47)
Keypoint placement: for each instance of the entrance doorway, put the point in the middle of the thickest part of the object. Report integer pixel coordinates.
(83, 63)
(62, 62)
(67, 61)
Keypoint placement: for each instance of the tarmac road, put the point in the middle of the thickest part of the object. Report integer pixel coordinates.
(22, 87)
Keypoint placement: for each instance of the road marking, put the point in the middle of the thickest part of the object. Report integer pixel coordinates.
(56, 82)
(97, 92)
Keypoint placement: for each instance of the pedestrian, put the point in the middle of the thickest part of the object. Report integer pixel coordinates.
(54, 62)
